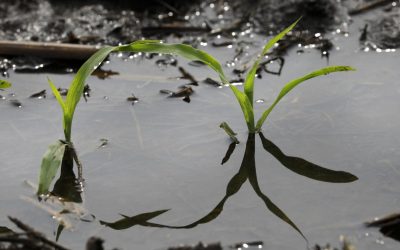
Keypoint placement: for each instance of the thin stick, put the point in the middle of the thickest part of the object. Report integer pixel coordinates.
(367, 6)
(49, 50)
(35, 234)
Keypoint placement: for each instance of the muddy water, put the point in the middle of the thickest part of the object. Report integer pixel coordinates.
(163, 153)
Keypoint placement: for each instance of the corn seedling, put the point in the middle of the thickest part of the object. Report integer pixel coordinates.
(245, 98)
(55, 153)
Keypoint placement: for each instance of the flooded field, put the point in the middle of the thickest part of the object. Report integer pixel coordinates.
(160, 157)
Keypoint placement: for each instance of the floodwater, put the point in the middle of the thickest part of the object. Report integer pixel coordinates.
(164, 153)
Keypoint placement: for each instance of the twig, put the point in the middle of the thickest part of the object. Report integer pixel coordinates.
(174, 29)
(30, 231)
(367, 6)
(49, 50)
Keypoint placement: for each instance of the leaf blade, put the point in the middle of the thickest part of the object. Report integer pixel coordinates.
(57, 95)
(249, 82)
(186, 51)
(246, 107)
(4, 84)
(292, 84)
(76, 89)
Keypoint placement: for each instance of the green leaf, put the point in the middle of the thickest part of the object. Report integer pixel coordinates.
(50, 164)
(128, 222)
(246, 106)
(4, 84)
(229, 131)
(186, 51)
(249, 82)
(57, 95)
(289, 86)
(306, 168)
(152, 46)
(76, 89)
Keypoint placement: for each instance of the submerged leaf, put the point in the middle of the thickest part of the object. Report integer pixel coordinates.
(305, 168)
(4, 84)
(128, 222)
(50, 164)
(292, 84)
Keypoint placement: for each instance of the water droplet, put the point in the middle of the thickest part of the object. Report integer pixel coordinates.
(260, 101)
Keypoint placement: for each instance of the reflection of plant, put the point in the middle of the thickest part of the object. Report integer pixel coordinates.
(248, 172)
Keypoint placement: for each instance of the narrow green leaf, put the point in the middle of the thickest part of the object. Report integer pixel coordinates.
(289, 86)
(246, 106)
(57, 95)
(153, 46)
(128, 222)
(249, 82)
(76, 89)
(306, 168)
(50, 164)
(183, 50)
(229, 131)
(4, 84)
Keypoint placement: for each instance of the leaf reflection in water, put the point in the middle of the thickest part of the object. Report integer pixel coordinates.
(246, 172)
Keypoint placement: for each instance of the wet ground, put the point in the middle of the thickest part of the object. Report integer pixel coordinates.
(155, 153)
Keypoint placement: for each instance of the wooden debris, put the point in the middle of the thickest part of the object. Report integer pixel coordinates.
(48, 50)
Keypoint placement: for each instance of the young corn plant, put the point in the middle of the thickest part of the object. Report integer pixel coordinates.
(54, 155)
(245, 98)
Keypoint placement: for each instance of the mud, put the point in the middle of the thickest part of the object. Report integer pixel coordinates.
(384, 30)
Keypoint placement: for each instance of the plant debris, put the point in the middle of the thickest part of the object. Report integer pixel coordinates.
(184, 91)
(133, 99)
(39, 95)
(388, 226)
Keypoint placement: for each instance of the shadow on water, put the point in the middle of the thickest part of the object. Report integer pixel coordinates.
(246, 172)
(67, 186)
